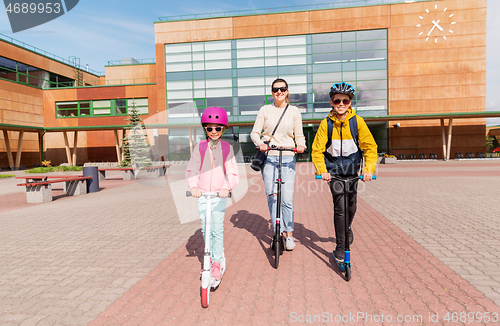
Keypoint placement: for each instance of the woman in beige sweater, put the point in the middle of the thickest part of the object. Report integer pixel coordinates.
(289, 134)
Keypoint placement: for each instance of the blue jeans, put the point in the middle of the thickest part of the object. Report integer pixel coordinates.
(218, 206)
(270, 174)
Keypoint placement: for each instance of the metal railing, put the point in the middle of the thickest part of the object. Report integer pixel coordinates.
(124, 81)
(320, 6)
(47, 54)
(131, 61)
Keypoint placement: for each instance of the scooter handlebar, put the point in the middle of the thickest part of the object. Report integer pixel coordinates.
(279, 149)
(189, 194)
(374, 177)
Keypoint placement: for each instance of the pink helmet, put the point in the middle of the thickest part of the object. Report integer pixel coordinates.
(214, 115)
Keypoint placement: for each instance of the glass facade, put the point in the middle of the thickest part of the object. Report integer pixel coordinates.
(237, 74)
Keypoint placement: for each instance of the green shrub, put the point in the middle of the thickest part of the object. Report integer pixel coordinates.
(7, 175)
(46, 169)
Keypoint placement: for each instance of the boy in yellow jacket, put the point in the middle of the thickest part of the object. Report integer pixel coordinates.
(341, 155)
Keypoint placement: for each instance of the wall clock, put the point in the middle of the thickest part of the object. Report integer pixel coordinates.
(436, 24)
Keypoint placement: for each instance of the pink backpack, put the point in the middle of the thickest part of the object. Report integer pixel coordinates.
(225, 152)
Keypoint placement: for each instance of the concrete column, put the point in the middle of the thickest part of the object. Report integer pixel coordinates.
(448, 145)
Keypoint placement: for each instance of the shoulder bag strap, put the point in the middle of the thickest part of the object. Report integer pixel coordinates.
(279, 120)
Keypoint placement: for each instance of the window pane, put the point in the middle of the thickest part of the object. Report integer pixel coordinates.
(138, 101)
(372, 74)
(292, 50)
(371, 95)
(102, 111)
(251, 81)
(348, 36)
(348, 46)
(326, 58)
(171, 85)
(327, 38)
(67, 105)
(102, 104)
(255, 90)
(67, 113)
(327, 77)
(373, 64)
(183, 57)
(252, 53)
(371, 35)
(143, 110)
(273, 61)
(120, 102)
(179, 67)
(372, 45)
(327, 48)
(84, 105)
(298, 60)
(250, 43)
(84, 112)
(215, 83)
(370, 55)
(291, 40)
(246, 63)
(174, 48)
(327, 67)
(180, 76)
(179, 94)
(219, 92)
(217, 45)
(223, 64)
(223, 73)
(217, 55)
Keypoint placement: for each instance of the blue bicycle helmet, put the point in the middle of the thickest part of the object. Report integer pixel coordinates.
(342, 88)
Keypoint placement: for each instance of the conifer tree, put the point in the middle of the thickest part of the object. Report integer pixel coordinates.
(136, 147)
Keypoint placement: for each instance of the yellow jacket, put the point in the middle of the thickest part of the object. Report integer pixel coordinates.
(366, 142)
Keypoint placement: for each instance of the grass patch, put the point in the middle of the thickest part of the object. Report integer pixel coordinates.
(7, 175)
(45, 169)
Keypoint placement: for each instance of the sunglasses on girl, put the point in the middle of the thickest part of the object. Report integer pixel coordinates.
(282, 89)
(209, 129)
(337, 102)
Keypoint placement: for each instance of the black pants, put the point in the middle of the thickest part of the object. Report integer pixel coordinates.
(337, 189)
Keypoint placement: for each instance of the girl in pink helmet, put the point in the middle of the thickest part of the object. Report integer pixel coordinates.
(212, 168)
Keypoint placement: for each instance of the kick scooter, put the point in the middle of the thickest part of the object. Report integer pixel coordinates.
(346, 265)
(207, 281)
(278, 239)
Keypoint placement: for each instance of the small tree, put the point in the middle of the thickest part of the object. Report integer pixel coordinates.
(135, 145)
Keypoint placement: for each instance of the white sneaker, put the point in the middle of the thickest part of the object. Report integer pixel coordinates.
(290, 243)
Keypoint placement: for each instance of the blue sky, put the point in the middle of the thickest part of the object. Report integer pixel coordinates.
(108, 30)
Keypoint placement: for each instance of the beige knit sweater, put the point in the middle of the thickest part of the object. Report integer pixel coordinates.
(289, 133)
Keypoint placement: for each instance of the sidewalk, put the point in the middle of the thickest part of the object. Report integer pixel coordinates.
(121, 256)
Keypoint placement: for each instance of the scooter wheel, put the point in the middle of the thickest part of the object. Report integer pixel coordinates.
(348, 273)
(277, 253)
(205, 297)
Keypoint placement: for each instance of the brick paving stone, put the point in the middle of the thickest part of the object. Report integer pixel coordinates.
(418, 248)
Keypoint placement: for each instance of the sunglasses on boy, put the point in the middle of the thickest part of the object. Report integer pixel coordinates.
(282, 89)
(345, 102)
(209, 129)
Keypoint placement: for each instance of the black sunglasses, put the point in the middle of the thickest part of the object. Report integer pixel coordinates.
(209, 129)
(346, 102)
(282, 89)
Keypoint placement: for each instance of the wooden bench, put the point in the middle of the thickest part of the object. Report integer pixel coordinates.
(130, 173)
(39, 187)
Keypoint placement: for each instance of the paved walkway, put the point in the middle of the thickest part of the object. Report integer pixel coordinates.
(426, 247)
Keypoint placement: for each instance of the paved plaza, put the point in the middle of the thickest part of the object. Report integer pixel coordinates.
(426, 251)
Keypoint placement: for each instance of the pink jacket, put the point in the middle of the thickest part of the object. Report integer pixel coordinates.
(211, 177)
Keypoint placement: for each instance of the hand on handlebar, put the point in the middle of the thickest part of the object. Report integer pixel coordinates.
(326, 176)
(300, 149)
(223, 193)
(195, 192)
(367, 176)
(263, 148)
